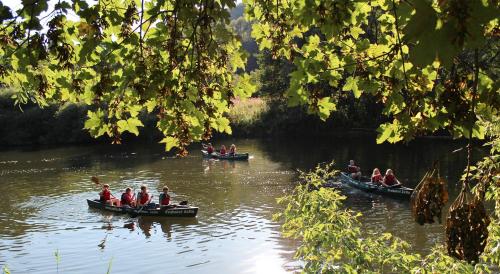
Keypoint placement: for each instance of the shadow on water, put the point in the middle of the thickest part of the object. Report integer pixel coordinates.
(42, 207)
(410, 161)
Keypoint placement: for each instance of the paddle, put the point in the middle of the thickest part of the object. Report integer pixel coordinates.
(134, 214)
(182, 204)
(96, 181)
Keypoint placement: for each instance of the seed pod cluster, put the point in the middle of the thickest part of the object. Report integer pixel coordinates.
(467, 228)
(429, 197)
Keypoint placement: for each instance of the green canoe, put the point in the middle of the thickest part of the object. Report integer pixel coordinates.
(227, 156)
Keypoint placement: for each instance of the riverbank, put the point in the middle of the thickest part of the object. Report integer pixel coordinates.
(30, 125)
(63, 124)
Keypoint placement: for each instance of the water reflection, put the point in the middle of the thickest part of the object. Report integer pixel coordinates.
(151, 224)
(43, 209)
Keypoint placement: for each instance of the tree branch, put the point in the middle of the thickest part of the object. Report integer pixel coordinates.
(399, 43)
(140, 29)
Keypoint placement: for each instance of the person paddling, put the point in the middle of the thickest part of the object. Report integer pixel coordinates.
(390, 180)
(127, 198)
(223, 150)
(210, 148)
(354, 170)
(376, 177)
(164, 197)
(143, 198)
(232, 150)
(106, 197)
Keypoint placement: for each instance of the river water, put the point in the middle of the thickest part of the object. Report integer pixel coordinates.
(46, 226)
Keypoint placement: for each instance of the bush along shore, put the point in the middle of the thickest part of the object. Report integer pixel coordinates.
(254, 117)
(55, 124)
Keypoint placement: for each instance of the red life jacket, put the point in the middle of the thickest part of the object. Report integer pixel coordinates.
(143, 198)
(377, 178)
(210, 149)
(164, 199)
(352, 169)
(390, 180)
(126, 199)
(222, 151)
(105, 195)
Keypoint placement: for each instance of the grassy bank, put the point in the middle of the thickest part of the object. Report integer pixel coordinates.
(257, 117)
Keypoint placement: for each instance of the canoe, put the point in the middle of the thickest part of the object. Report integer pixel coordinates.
(216, 155)
(393, 192)
(178, 211)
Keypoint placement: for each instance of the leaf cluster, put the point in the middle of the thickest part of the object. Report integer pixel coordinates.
(176, 59)
(333, 241)
(414, 56)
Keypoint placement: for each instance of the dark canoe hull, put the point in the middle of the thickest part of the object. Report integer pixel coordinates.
(180, 211)
(237, 156)
(397, 192)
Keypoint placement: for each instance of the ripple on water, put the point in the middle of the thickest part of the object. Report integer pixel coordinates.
(233, 232)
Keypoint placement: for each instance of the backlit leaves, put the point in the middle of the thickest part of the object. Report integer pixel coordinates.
(405, 54)
(176, 59)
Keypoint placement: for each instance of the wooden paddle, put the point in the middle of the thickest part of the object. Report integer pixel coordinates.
(96, 181)
(135, 214)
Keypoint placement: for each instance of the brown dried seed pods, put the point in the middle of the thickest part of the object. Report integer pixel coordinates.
(467, 228)
(429, 197)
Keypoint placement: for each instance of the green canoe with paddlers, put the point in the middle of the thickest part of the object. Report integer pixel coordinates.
(167, 211)
(227, 156)
(400, 192)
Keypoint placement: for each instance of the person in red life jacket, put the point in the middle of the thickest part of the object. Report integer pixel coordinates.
(377, 177)
(232, 150)
(106, 197)
(223, 150)
(164, 197)
(210, 148)
(390, 180)
(354, 170)
(127, 198)
(143, 198)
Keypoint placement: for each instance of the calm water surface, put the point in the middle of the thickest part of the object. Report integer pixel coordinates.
(43, 208)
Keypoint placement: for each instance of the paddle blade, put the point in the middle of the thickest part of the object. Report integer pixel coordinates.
(95, 180)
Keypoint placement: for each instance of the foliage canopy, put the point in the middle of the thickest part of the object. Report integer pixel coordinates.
(179, 60)
(175, 58)
(432, 63)
(333, 240)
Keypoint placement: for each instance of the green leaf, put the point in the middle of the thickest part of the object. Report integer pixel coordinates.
(122, 126)
(170, 142)
(94, 119)
(351, 84)
(244, 87)
(356, 31)
(133, 124)
(222, 125)
(389, 132)
(326, 106)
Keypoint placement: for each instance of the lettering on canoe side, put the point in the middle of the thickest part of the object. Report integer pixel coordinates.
(113, 208)
(402, 191)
